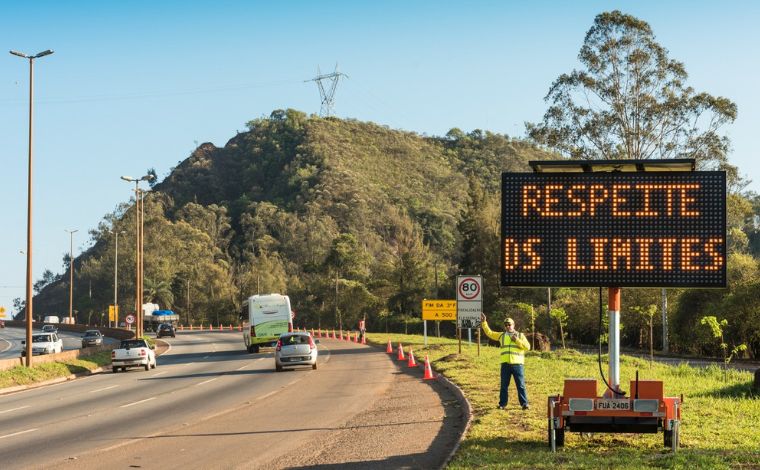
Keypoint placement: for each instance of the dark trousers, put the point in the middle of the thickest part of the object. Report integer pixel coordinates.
(507, 371)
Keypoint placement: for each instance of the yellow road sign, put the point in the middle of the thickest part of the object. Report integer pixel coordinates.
(2, 312)
(113, 312)
(439, 310)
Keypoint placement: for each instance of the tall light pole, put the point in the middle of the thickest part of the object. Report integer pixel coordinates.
(28, 306)
(138, 250)
(71, 272)
(116, 282)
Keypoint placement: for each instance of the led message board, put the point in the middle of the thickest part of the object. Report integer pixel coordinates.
(623, 229)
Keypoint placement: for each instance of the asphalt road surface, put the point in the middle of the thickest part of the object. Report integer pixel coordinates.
(10, 341)
(209, 404)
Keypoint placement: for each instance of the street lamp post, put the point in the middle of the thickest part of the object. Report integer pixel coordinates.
(71, 271)
(28, 306)
(138, 250)
(116, 282)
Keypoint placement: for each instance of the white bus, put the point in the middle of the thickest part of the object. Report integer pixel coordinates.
(265, 318)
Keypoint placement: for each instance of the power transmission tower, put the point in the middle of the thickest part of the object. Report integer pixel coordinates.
(327, 93)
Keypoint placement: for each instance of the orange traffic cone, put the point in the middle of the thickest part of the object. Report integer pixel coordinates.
(181, 328)
(428, 370)
(240, 327)
(210, 327)
(334, 336)
(389, 349)
(312, 333)
(400, 352)
(412, 362)
(356, 338)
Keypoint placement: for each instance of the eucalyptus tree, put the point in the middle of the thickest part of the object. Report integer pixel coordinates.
(630, 100)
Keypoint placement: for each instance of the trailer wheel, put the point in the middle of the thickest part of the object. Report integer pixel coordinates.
(115, 369)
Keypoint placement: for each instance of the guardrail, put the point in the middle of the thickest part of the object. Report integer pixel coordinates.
(116, 333)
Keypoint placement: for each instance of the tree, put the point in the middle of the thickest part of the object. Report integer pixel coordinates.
(716, 328)
(561, 317)
(531, 312)
(648, 314)
(631, 101)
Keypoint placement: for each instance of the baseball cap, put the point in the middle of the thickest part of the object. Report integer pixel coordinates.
(509, 320)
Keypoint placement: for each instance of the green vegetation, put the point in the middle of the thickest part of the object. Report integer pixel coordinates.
(719, 418)
(22, 375)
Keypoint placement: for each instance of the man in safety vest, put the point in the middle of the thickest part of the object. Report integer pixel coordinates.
(513, 346)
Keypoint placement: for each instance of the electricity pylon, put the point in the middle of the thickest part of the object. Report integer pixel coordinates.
(327, 93)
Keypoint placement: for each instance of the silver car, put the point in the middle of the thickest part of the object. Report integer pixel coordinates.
(295, 349)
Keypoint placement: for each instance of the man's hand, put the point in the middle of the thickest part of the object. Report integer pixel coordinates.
(482, 317)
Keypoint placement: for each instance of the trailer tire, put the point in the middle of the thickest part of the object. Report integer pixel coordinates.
(115, 369)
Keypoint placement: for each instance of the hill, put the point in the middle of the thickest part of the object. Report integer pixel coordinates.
(350, 218)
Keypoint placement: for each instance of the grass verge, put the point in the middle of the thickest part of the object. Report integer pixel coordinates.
(719, 418)
(21, 375)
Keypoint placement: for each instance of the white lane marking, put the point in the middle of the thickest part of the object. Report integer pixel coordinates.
(9, 345)
(243, 367)
(160, 373)
(189, 363)
(137, 402)
(104, 388)
(205, 357)
(17, 433)
(207, 381)
(15, 409)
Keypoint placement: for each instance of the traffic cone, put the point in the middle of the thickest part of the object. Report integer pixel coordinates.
(334, 336)
(428, 370)
(240, 327)
(364, 338)
(181, 328)
(400, 352)
(389, 349)
(356, 338)
(312, 333)
(412, 362)
(210, 327)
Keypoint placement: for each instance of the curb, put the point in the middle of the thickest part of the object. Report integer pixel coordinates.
(87, 373)
(463, 402)
(466, 408)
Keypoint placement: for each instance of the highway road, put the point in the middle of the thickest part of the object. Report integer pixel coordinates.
(209, 404)
(10, 341)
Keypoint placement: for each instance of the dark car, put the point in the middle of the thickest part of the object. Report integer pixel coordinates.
(165, 329)
(92, 338)
(49, 329)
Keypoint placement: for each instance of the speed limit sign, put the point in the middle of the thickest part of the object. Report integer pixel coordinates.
(469, 301)
(130, 319)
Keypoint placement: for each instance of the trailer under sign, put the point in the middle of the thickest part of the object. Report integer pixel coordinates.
(637, 229)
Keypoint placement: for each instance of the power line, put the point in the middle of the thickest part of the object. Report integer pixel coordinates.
(327, 94)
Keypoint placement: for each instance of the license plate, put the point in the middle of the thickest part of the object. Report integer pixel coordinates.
(611, 404)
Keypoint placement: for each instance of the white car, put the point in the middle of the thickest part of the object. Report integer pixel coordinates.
(295, 349)
(133, 353)
(45, 343)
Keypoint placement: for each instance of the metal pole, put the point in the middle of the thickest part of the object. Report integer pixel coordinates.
(71, 272)
(469, 335)
(142, 260)
(549, 311)
(614, 339)
(424, 330)
(115, 285)
(29, 298)
(137, 262)
(665, 345)
(478, 341)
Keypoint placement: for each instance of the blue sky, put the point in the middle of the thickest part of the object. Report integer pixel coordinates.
(134, 85)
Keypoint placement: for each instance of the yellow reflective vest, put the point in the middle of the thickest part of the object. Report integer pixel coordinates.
(512, 351)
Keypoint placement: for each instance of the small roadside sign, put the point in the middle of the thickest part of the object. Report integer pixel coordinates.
(130, 319)
(441, 310)
(2, 312)
(469, 301)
